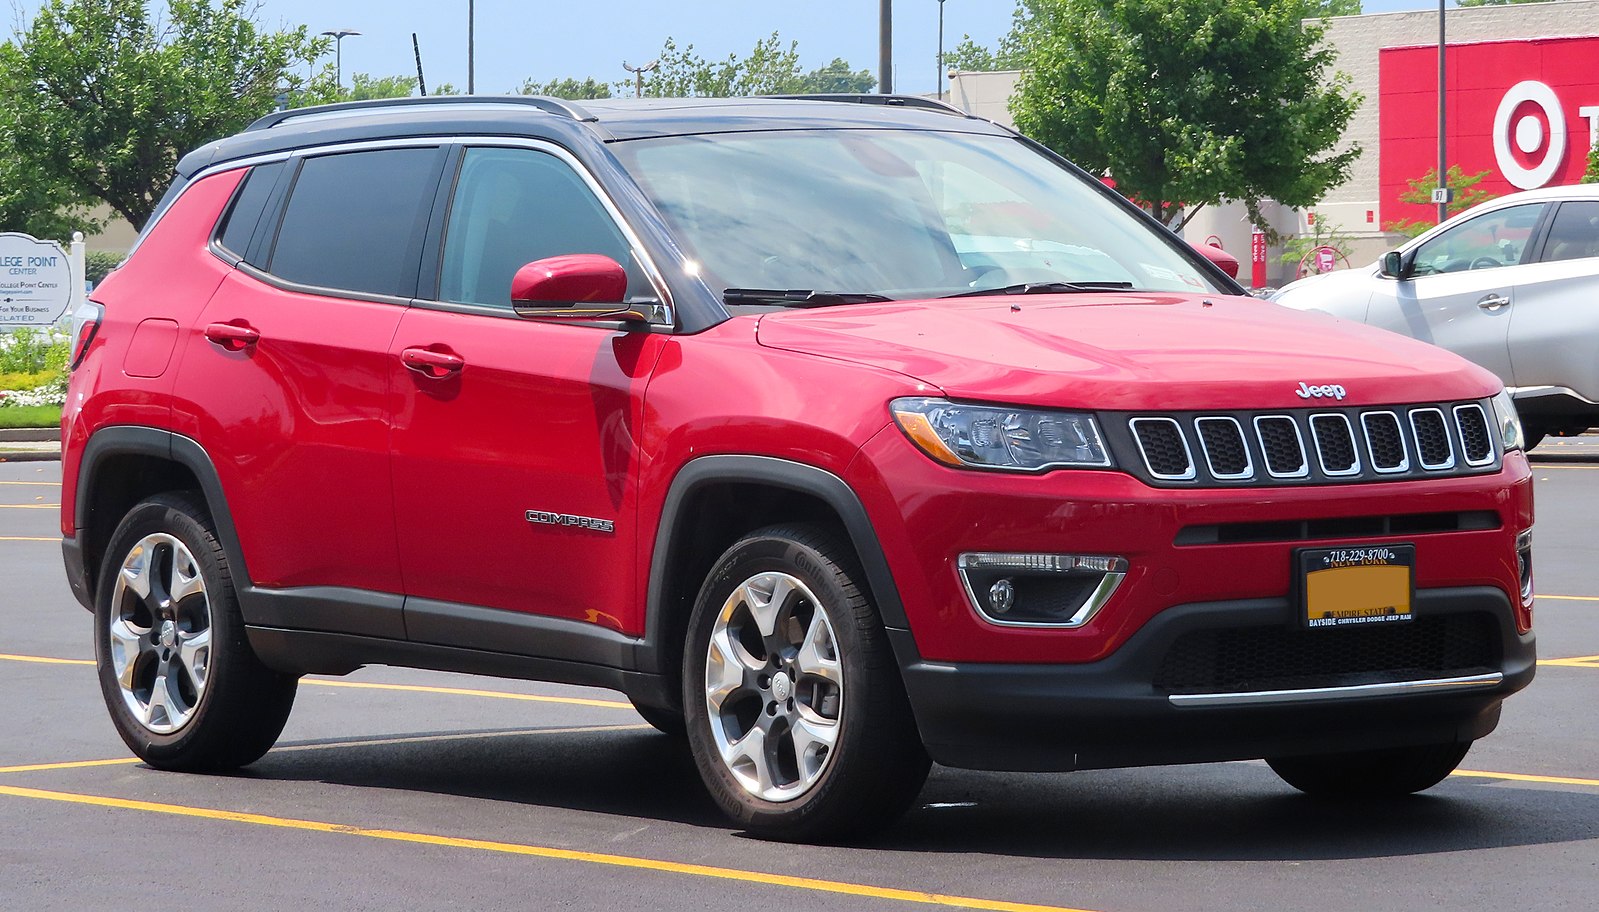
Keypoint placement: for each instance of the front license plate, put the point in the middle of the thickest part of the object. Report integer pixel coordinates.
(1342, 587)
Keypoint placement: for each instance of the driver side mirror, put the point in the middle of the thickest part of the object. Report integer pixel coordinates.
(1393, 265)
(579, 286)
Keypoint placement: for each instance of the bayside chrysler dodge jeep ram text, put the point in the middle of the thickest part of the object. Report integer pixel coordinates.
(839, 436)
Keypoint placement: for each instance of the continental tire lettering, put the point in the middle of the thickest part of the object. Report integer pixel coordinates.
(546, 518)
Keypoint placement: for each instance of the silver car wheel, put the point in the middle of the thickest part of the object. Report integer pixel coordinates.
(160, 633)
(774, 686)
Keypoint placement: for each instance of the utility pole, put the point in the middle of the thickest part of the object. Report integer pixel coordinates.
(471, 47)
(885, 47)
(638, 74)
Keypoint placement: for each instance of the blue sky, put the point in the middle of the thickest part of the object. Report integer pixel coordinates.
(517, 39)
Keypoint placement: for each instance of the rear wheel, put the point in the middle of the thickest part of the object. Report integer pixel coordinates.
(796, 714)
(1371, 774)
(184, 689)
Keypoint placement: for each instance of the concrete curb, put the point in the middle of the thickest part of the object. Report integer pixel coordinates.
(29, 456)
(30, 435)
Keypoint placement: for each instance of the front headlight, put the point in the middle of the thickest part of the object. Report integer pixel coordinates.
(1509, 422)
(1000, 437)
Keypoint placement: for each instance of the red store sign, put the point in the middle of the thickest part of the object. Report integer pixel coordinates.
(1525, 111)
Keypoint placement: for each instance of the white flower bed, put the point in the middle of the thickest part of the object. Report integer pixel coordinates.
(48, 394)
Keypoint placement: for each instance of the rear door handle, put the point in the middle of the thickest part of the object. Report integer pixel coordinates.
(232, 337)
(1494, 302)
(432, 364)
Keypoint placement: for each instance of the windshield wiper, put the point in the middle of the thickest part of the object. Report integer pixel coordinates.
(799, 297)
(1030, 288)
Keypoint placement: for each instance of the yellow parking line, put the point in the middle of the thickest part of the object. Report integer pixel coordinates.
(464, 692)
(1570, 598)
(74, 764)
(29, 538)
(44, 660)
(1523, 777)
(1573, 662)
(30, 506)
(33, 484)
(760, 878)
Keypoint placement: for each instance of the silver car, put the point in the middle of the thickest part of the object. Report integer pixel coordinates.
(1512, 284)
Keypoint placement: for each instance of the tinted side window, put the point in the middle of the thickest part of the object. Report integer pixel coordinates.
(514, 206)
(1574, 234)
(1485, 242)
(248, 204)
(354, 221)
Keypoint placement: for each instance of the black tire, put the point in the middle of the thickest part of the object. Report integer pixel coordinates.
(219, 707)
(1387, 773)
(664, 721)
(1532, 434)
(845, 683)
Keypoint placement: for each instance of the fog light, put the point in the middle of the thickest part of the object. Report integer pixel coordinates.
(1001, 596)
(1039, 590)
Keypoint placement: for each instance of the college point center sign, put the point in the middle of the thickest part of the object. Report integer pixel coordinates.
(35, 281)
(1525, 111)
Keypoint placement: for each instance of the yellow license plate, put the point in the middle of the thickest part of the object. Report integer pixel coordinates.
(1342, 587)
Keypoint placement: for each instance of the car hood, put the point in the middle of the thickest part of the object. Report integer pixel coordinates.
(1129, 351)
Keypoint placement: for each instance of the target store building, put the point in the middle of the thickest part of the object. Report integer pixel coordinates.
(1522, 103)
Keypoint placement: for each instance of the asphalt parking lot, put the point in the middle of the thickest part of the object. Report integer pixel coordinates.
(401, 789)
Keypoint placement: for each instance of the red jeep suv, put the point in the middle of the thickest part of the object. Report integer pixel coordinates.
(841, 434)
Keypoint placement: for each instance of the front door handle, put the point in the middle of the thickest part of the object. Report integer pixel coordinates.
(1494, 302)
(232, 337)
(435, 365)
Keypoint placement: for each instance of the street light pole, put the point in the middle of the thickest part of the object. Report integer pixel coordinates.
(338, 36)
(885, 47)
(940, 83)
(1443, 192)
(471, 47)
(638, 74)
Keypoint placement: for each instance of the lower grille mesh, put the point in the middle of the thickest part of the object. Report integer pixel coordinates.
(1248, 659)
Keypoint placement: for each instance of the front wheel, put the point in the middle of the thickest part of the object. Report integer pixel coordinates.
(184, 689)
(1371, 774)
(796, 714)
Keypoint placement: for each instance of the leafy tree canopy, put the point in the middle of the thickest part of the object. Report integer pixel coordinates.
(1467, 194)
(1187, 102)
(970, 57)
(34, 202)
(770, 69)
(568, 88)
(105, 95)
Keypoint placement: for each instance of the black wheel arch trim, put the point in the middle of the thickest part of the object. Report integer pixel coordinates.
(805, 479)
(134, 440)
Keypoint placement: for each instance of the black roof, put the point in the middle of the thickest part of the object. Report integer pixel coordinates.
(606, 119)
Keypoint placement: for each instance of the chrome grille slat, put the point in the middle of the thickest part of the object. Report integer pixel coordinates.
(1158, 442)
(1472, 423)
(1283, 446)
(1329, 444)
(1226, 453)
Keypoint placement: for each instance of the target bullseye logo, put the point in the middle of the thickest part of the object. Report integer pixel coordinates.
(1530, 134)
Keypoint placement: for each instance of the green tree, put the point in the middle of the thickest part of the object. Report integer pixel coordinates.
(105, 95)
(770, 69)
(35, 202)
(568, 88)
(1591, 176)
(1495, 2)
(1187, 102)
(1322, 234)
(1325, 8)
(970, 57)
(1467, 194)
(324, 88)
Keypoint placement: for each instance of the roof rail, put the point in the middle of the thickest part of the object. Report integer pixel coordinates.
(898, 101)
(557, 106)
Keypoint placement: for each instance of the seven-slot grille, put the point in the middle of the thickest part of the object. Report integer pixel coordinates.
(1315, 445)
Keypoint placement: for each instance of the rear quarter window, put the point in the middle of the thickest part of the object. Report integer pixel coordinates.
(249, 203)
(354, 221)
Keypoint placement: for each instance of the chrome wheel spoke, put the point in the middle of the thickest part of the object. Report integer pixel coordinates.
(818, 653)
(185, 580)
(158, 712)
(747, 759)
(137, 570)
(766, 596)
(813, 741)
(128, 643)
(728, 669)
(194, 654)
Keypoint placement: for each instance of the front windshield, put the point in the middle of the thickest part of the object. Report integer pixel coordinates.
(895, 213)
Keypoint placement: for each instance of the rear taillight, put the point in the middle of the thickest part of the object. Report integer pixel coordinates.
(85, 324)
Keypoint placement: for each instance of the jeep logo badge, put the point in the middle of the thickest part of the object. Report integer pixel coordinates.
(1328, 391)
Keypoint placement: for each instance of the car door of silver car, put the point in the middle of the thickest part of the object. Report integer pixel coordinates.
(1554, 321)
(1461, 287)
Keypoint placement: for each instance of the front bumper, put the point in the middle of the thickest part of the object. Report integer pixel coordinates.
(1119, 711)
